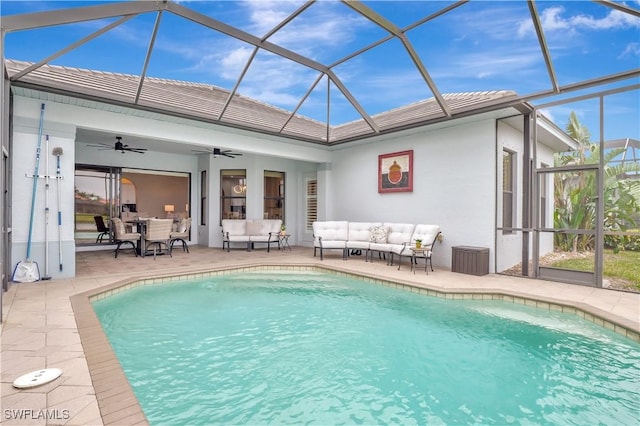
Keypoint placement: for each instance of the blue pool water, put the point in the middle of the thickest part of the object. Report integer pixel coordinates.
(297, 348)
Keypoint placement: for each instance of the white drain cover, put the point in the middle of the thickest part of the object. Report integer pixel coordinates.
(37, 378)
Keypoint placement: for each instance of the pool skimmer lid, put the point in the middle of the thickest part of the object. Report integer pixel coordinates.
(37, 378)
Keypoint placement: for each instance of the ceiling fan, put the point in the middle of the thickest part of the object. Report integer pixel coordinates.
(119, 146)
(217, 152)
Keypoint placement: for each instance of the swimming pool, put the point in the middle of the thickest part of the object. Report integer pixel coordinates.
(299, 347)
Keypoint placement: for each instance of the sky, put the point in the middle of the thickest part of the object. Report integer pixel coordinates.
(482, 45)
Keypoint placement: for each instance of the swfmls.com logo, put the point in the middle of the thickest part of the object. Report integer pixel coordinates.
(26, 414)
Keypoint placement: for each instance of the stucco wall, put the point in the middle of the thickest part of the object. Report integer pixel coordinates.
(453, 185)
(23, 160)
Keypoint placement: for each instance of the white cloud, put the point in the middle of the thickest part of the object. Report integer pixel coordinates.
(233, 62)
(276, 80)
(324, 25)
(632, 49)
(486, 64)
(553, 19)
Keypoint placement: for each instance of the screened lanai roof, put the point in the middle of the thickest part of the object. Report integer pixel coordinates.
(321, 71)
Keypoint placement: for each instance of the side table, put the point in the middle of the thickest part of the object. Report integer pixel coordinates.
(422, 252)
(283, 241)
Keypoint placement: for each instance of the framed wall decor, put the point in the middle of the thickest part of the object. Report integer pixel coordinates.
(395, 172)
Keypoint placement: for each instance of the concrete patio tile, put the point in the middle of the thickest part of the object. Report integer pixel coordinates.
(76, 347)
(24, 409)
(26, 319)
(14, 367)
(89, 415)
(70, 401)
(64, 319)
(27, 304)
(63, 336)
(18, 338)
(75, 371)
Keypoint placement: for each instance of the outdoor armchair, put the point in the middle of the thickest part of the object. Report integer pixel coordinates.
(121, 236)
(158, 236)
(181, 234)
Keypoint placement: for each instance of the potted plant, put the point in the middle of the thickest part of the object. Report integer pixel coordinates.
(283, 230)
(418, 243)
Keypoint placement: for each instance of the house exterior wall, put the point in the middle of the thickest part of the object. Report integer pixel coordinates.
(453, 185)
(23, 160)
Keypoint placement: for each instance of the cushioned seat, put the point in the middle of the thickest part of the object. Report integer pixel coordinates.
(181, 234)
(103, 230)
(263, 231)
(427, 234)
(158, 236)
(359, 237)
(122, 237)
(250, 232)
(330, 235)
(397, 235)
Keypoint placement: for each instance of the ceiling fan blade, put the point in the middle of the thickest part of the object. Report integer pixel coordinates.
(229, 153)
(118, 146)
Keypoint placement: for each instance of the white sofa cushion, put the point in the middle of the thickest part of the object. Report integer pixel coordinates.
(359, 234)
(264, 230)
(426, 233)
(234, 227)
(398, 234)
(254, 227)
(334, 234)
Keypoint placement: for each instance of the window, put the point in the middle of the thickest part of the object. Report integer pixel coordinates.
(233, 194)
(312, 203)
(508, 191)
(274, 195)
(203, 197)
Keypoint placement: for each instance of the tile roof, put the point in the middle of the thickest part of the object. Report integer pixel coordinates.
(207, 103)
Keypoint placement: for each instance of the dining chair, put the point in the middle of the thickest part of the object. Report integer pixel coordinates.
(181, 234)
(158, 236)
(121, 236)
(102, 228)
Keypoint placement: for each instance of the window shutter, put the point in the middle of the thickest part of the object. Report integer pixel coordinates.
(312, 203)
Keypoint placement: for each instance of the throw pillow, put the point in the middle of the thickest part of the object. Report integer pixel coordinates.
(378, 234)
(183, 226)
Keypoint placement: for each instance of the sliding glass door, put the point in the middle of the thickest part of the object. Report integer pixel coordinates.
(96, 194)
(105, 192)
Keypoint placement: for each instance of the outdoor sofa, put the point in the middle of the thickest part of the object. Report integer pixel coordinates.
(393, 239)
(250, 232)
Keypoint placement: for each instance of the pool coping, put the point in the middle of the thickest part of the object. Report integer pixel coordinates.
(116, 399)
